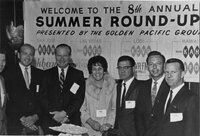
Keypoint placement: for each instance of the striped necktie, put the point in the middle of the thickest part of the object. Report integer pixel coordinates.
(153, 92)
(62, 79)
(26, 77)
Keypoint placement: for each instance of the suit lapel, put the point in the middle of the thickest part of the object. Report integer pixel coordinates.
(68, 79)
(173, 106)
(131, 89)
(56, 76)
(33, 77)
(162, 92)
(119, 86)
(148, 93)
(20, 76)
(178, 96)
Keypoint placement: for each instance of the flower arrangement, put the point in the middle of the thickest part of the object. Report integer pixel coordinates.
(15, 35)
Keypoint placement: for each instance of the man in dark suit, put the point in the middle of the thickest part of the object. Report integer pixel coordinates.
(22, 83)
(151, 95)
(3, 95)
(181, 108)
(64, 89)
(126, 98)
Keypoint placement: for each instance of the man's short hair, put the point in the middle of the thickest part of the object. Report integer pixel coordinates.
(27, 45)
(64, 46)
(126, 58)
(175, 60)
(153, 53)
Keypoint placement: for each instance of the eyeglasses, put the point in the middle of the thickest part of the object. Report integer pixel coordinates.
(124, 67)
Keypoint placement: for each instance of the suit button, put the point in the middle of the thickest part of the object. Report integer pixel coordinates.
(152, 115)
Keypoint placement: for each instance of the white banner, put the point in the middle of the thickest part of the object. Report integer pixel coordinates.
(115, 28)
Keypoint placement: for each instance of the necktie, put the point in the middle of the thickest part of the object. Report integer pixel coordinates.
(169, 100)
(123, 96)
(26, 77)
(153, 92)
(62, 79)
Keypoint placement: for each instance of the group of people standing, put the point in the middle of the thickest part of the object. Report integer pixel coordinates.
(32, 100)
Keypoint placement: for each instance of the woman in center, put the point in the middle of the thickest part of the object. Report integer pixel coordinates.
(98, 109)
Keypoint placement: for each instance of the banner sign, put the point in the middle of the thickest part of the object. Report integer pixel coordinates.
(115, 28)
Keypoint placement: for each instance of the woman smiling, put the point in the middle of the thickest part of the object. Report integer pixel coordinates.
(98, 109)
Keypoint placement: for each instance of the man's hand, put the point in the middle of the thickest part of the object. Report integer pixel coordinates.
(105, 127)
(60, 116)
(29, 121)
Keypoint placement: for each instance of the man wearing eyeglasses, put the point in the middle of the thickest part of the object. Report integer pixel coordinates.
(152, 95)
(126, 98)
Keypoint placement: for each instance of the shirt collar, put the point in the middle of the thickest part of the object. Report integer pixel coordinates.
(159, 81)
(128, 82)
(65, 70)
(23, 67)
(177, 89)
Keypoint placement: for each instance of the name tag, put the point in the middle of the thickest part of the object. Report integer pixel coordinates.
(37, 88)
(175, 117)
(130, 104)
(101, 113)
(74, 88)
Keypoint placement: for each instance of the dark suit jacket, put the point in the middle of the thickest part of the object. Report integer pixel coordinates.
(125, 118)
(3, 121)
(186, 103)
(57, 100)
(22, 101)
(146, 114)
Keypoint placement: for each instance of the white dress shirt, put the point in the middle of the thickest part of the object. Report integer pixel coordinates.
(60, 70)
(159, 82)
(175, 91)
(28, 69)
(2, 92)
(128, 83)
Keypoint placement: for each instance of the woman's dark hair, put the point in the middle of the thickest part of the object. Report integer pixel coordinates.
(97, 60)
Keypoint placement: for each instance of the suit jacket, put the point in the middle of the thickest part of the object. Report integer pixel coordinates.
(3, 120)
(146, 114)
(68, 100)
(125, 118)
(22, 101)
(186, 107)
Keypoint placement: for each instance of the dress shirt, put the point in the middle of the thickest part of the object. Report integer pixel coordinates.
(28, 69)
(60, 70)
(128, 83)
(2, 92)
(159, 82)
(175, 91)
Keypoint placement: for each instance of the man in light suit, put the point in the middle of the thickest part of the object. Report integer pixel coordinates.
(23, 83)
(149, 103)
(126, 98)
(3, 95)
(64, 89)
(181, 108)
